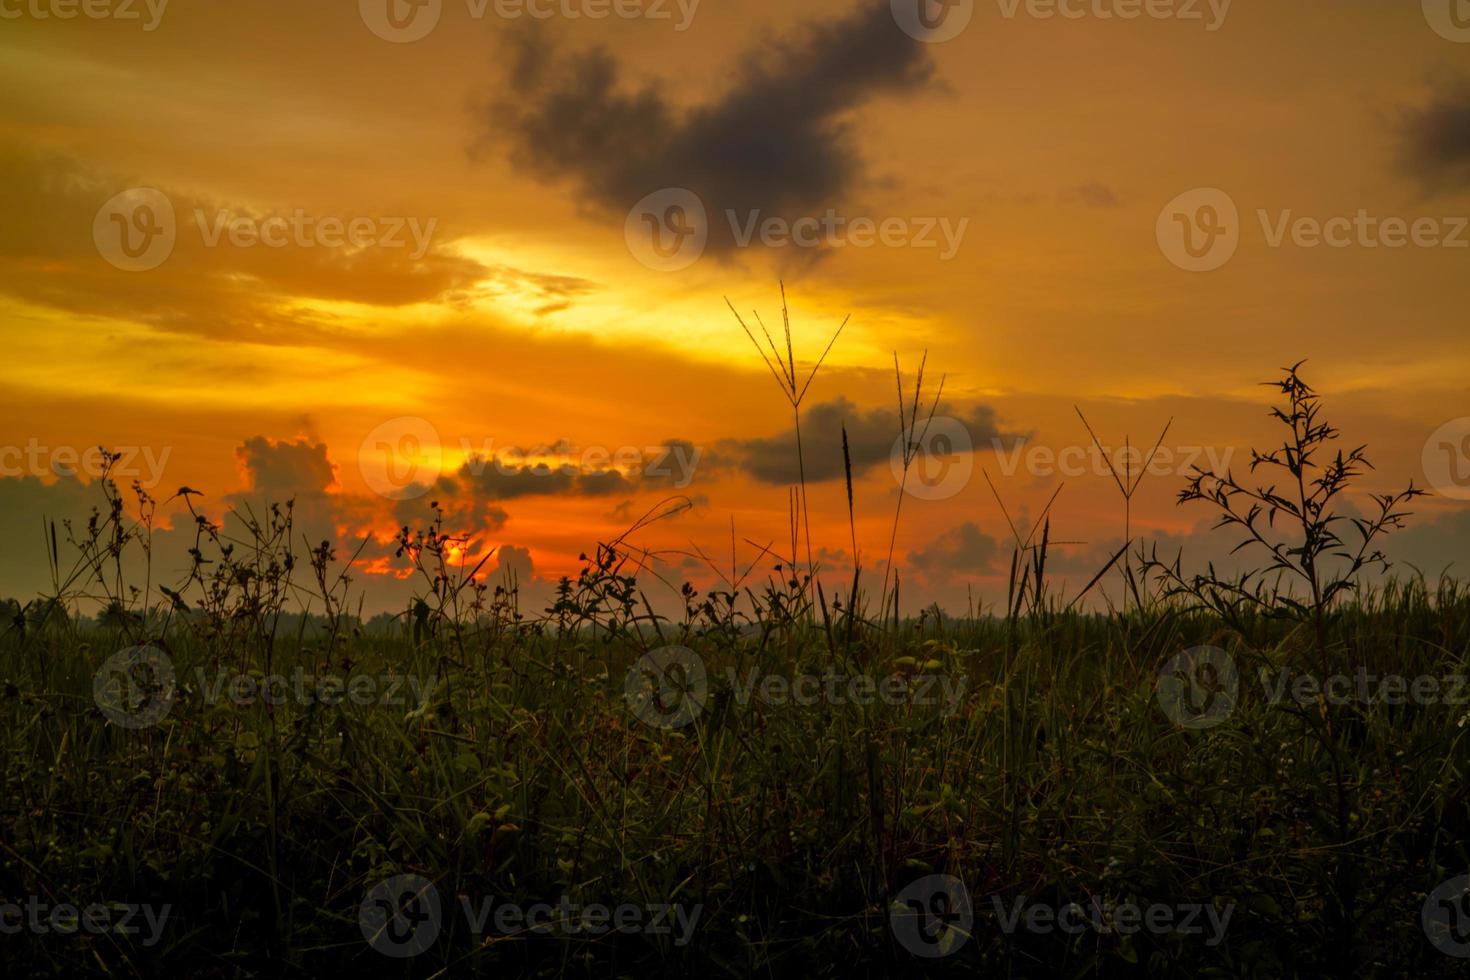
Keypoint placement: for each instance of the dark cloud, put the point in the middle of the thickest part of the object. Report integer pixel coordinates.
(275, 471)
(964, 549)
(603, 483)
(460, 505)
(514, 568)
(672, 466)
(302, 473)
(779, 139)
(279, 469)
(1437, 141)
(495, 479)
(511, 560)
(499, 480)
(871, 437)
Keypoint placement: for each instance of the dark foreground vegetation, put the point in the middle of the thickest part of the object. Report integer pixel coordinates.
(1270, 770)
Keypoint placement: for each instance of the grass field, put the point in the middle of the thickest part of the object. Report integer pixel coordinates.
(1225, 778)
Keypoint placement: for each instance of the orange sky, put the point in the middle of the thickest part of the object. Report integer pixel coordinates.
(495, 293)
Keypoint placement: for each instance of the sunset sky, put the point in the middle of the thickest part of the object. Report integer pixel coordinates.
(496, 173)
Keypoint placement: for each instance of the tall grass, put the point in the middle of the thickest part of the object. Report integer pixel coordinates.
(516, 769)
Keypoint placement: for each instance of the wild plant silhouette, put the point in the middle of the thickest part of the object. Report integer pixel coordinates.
(532, 757)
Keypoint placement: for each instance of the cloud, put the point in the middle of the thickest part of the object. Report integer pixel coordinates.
(779, 139)
(1437, 141)
(285, 468)
(964, 550)
(1433, 547)
(514, 567)
(595, 473)
(871, 438)
(28, 505)
(554, 293)
(274, 472)
(511, 560)
(209, 286)
(299, 472)
(496, 479)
